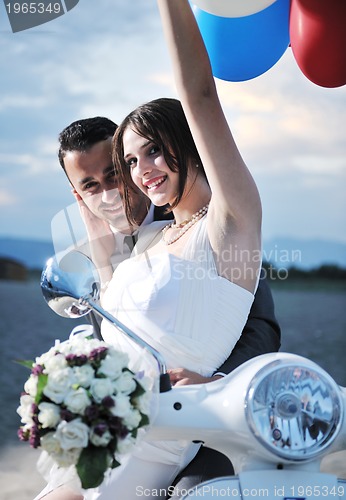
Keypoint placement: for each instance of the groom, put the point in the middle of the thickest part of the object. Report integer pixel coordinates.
(85, 154)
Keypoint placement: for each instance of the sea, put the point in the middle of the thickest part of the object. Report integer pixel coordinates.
(313, 323)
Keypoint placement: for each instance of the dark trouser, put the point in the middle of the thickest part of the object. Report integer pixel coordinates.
(95, 321)
(207, 464)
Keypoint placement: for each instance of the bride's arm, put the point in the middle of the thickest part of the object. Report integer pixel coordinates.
(235, 207)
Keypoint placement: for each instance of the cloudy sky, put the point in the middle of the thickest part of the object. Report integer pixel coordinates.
(104, 58)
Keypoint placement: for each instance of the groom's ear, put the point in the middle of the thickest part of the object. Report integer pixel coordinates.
(76, 195)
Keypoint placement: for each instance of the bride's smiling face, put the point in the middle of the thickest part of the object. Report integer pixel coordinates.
(149, 170)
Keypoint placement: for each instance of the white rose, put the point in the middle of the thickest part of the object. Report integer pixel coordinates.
(98, 440)
(77, 400)
(67, 457)
(25, 409)
(75, 346)
(65, 347)
(73, 434)
(84, 375)
(57, 362)
(125, 445)
(92, 344)
(100, 388)
(64, 458)
(78, 344)
(125, 383)
(46, 356)
(30, 386)
(122, 405)
(113, 364)
(50, 444)
(49, 414)
(143, 403)
(58, 384)
(132, 419)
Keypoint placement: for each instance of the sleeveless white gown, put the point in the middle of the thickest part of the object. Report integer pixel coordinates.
(193, 317)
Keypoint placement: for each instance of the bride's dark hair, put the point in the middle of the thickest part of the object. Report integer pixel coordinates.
(163, 123)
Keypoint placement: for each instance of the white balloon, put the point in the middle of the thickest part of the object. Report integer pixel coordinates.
(233, 8)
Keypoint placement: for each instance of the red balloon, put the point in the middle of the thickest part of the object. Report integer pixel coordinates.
(318, 40)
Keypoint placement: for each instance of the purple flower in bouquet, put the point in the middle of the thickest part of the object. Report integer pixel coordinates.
(75, 360)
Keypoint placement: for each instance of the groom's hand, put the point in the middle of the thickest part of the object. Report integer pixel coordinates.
(181, 376)
(101, 238)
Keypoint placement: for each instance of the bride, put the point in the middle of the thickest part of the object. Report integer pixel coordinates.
(189, 289)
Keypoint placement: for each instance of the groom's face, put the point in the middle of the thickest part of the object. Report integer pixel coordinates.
(93, 177)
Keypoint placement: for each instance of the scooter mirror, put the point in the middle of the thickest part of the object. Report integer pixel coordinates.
(71, 287)
(67, 281)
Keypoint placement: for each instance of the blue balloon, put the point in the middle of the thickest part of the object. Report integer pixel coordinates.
(241, 48)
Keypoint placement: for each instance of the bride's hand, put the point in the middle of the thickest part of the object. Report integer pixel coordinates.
(181, 376)
(101, 238)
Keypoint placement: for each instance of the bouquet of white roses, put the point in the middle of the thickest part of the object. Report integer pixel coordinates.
(83, 406)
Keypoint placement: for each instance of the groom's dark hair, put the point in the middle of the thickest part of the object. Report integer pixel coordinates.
(81, 135)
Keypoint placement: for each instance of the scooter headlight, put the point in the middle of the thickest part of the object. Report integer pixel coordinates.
(294, 410)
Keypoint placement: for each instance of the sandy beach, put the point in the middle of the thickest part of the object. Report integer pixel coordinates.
(18, 476)
(313, 324)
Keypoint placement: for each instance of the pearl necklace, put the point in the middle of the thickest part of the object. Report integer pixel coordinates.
(183, 226)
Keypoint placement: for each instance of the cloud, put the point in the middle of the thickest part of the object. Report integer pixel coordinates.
(14, 164)
(315, 165)
(243, 99)
(11, 102)
(292, 137)
(29, 164)
(163, 79)
(7, 199)
(105, 58)
(277, 117)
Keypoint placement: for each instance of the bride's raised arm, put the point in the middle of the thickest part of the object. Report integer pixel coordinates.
(235, 207)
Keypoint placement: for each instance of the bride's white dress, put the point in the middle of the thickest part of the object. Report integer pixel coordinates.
(193, 317)
(179, 305)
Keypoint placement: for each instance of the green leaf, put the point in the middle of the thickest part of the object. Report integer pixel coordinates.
(92, 465)
(41, 384)
(115, 464)
(144, 421)
(24, 362)
(139, 391)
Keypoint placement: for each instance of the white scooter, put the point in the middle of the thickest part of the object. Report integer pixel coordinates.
(275, 417)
